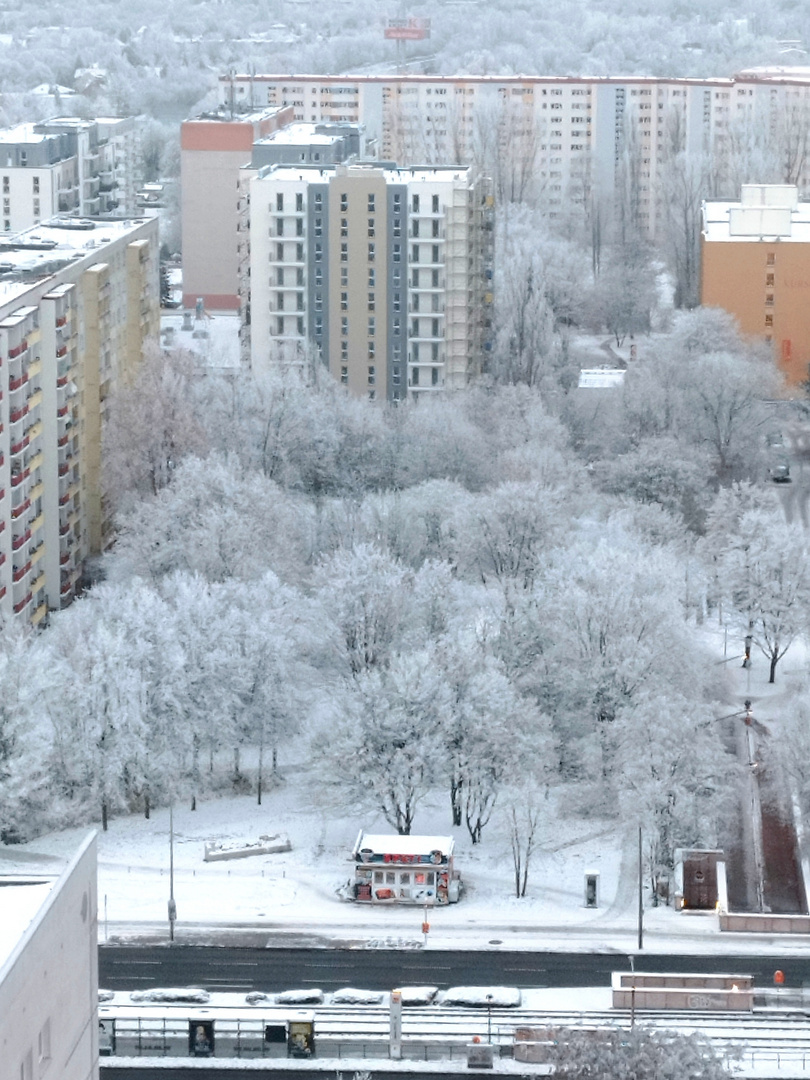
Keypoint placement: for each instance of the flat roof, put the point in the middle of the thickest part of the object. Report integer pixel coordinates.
(304, 134)
(24, 133)
(21, 898)
(717, 223)
(424, 173)
(394, 844)
(574, 80)
(45, 248)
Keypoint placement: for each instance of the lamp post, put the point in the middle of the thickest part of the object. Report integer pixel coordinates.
(640, 895)
(632, 960)
(489, 1019)
(172, 905)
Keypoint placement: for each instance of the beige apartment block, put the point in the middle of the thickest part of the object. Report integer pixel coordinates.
(756, 265)
(572, 138)
(76, 306)
(213, 148)
(381, 274)
(49, 973)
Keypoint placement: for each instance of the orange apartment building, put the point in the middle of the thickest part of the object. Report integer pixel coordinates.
(213, 148)
(756, 265)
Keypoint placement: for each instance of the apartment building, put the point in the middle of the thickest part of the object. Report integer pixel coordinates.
(295, 144)
(49, 972)
(68, 165)
(572, 135)
(213, 148)
(77, 302)
(381, 273)
(756, 265)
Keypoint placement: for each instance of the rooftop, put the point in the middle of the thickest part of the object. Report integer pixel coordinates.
(765, 212)
(225, 115)
(309, 134)
(20, 900)
(44, 249)
(391, 174)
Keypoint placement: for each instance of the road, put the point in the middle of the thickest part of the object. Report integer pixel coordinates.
(135, 967)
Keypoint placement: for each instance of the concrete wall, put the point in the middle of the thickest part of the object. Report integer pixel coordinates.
(49, 984)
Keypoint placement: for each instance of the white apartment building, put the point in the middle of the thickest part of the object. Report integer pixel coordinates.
(383, 274)
(76, 305)
(570, 133)
(68, 165)
(49, 973)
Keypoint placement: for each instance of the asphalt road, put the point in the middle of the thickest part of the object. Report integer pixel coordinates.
(233, 969)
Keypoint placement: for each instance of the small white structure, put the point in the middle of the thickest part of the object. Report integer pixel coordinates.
(404, 869)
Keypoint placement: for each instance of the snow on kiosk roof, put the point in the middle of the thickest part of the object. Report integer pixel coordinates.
(377, 845)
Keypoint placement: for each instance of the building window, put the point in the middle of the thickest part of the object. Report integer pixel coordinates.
(344, 276)
(435, 253)
(344, 301)
(395, 377)
(769, 320)
(279, 301)
(344, 202)
(371, 277)
(36, 185)
(769, 278)
(769, 299)
(397, 226)
(770, 258)
(318, 226)
(371, 226)
(371, 253)
(280, 324)
(396, 252)
(372, 325)
(279, 275)
(280, 252)
(299, 201)
(371, 204)
(344, 226)
(299, 301)
(415, 228)
(395, 302)
(299, 252)
(299, 226)
(435, 204)
(371, 304)
(344, 326)
(434, 351)
(280, 226)
(435, 328)
(279, 201)
(344, 350)
(435, 226)
(300, 326)
(434, 376)
(344, 375)
(415, 375)
(344, 252)
(434, 279)
(371, 371)
(415, 204)
(415, 253)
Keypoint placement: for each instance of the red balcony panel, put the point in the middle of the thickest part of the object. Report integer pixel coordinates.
(62, 381)
(62, 441)
(17, 511)
(2, 591)
(65, 588)
(17, 414)
(2, 492)
(19, 477)
(18, 541)
(15, 384)
(63, 469)
(65, 499)
(22, 604)
(20, 572)
(61, 352)
(64, 558)
(61, 320)
(2, 557)
(62, 412)
(18, 447)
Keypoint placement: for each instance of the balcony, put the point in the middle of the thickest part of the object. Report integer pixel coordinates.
(18, 541)
(16, 415)
(19, 572)
(16, 384)
(23, 604)
(18, 477)
(18, 447)
(18, 511)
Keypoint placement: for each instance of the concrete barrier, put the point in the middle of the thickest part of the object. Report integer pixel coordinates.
(756, 923)
(654, 990)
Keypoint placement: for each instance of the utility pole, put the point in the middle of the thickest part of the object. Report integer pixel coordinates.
(172, 905)
(640, 895)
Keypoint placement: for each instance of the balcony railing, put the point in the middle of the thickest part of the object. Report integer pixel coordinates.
(18, 541)
(26, 600)
(18, 573)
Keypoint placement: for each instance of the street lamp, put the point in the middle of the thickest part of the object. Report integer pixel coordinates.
(489, 1019)
(172, 905)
